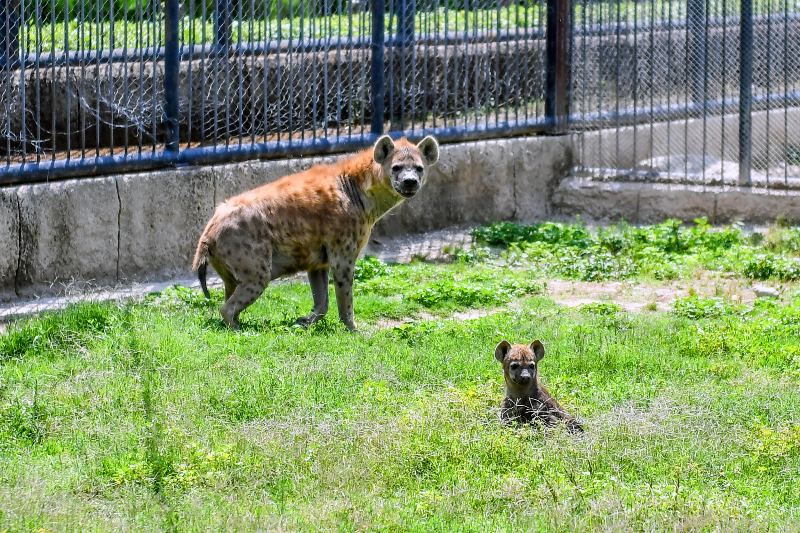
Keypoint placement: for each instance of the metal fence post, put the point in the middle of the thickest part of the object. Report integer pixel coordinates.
(696, 25)
(9, 32)
(171, 67)
(378, 36)
(222, 24)
(402, 61)
(746, 92)
(406, 11)
(557, 66)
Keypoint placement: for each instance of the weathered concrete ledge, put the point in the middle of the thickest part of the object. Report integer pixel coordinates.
(632, 147)
(144, 227)
(649, 203)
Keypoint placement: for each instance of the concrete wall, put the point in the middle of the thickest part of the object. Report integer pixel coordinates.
(650, 203)
(773, 132)
(139, 227)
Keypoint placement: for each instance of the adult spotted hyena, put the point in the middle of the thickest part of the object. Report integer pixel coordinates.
(316, 221)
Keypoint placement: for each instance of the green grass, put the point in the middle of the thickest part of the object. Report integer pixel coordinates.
(663, 252)
(152, 416)
(92, 34)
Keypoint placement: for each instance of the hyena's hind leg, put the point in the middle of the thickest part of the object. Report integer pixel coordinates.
(228, 279)
(253, 275)
(318, 279)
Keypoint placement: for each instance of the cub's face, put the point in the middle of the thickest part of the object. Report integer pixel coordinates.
(406, 164)
(520, 362)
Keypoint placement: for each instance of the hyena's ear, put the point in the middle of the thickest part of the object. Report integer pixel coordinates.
(429, 149)
(383, 149)
(538, 350)
(502, 349)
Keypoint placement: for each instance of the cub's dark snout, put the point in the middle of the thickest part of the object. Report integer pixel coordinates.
(524, 377)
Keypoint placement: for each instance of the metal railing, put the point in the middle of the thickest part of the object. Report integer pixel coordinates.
(96, 87)
(89, 87)
(702, 92)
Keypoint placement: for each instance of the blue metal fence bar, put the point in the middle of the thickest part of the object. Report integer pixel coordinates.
(9, 32)
(746, 92)
(171, 67)
(61, 169)
(696, 26)
(377, 81)
(222, 24)
(402, 57)
(406, 11)
(557, 66)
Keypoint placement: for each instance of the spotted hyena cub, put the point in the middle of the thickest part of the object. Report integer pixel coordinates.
(526, 399)
(317, 221)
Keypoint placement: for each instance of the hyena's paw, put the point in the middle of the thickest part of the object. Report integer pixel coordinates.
(308, 320)
(230, 318)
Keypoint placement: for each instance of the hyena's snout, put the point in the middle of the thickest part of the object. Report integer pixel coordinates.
(524, 377)
(409, 181)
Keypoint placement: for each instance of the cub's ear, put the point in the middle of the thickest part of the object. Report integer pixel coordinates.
(502, 349)
(383, 149)
(538, 350)
(429, 149)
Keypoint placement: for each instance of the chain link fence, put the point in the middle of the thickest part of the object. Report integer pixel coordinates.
(93, 86)
(665, 91)
(651, 89)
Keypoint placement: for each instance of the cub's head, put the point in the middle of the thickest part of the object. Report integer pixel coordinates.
(519, 361)
(404, 163)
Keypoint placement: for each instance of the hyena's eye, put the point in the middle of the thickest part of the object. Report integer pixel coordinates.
(419, 169)
(514, 366)
(397, 168)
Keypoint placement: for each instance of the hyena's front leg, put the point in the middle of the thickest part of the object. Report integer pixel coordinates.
(318, 279)
(343, 271)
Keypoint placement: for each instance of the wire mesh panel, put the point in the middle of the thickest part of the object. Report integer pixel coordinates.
(92, 86)
(468, 64)
(776, 93)
(277, 72)
(86, 85)
(657, 90)
(81, 80)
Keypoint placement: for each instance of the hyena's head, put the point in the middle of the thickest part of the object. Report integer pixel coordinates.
(405, 164)
(520, 362)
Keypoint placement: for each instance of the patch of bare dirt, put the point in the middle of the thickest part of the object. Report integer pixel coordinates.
(635, 296)
(632, 296)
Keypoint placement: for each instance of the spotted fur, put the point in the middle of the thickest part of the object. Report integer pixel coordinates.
(317, 221)
(526, 400)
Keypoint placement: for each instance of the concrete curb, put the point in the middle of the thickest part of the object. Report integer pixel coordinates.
(648, 203)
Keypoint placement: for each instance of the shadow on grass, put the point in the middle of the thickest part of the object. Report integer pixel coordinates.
(284, 324)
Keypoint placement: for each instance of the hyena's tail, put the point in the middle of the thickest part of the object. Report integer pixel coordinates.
(200, 264)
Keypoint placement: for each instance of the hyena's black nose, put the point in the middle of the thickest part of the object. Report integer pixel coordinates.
(410, 183)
